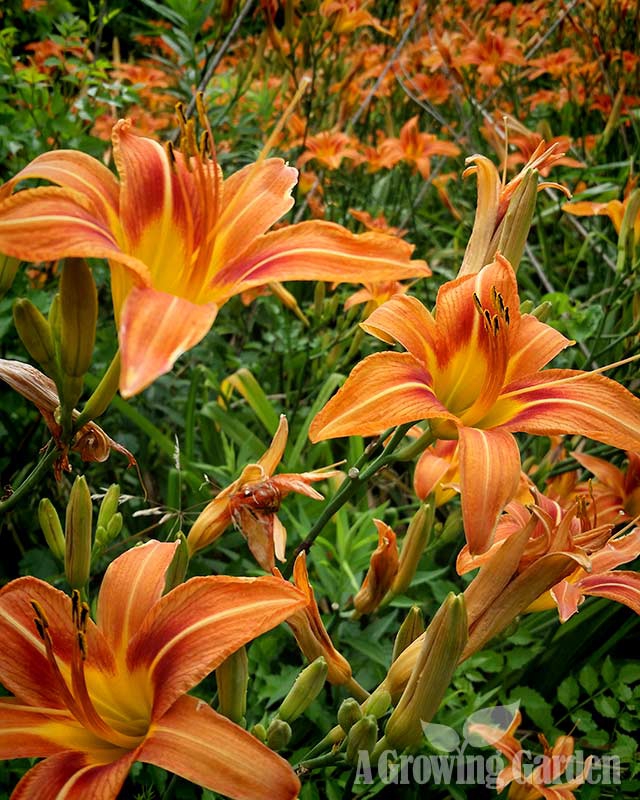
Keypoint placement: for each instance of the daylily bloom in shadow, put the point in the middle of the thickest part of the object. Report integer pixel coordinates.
(616, 494)
(180, 240)
(252, 502)
(92, 698)
(526, 783)
(474, 369)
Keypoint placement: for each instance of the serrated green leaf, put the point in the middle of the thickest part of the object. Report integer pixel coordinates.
(609, 672)
(606, 705)
(568, 692)
(624, 746)
(584, 720)
(629, 673)
(537, 708)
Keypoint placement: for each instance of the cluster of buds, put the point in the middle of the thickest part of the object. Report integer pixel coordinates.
(76, 547)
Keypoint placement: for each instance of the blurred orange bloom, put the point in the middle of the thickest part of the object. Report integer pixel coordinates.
(329, 148)
(417, 148)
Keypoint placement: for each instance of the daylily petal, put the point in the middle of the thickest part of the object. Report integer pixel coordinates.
(193, 741)
(533, 344)
(432, 467)
(618, 550)
(73, 775)
(383, 390)
(489, 479)
(155, 329)
(80, 172)
(197, 625)
(489, 185)
(273, 456)
(604, 471)
(27, 732)
(568, 597)
(569, 401)
(623, 586)
(211, 523)
(132, 584)
(49, 223)
(405, 320)
(321, 251)
(24, 667)
(255, 198)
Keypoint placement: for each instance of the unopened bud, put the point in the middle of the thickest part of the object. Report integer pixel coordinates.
(259, 731)
(452, 527)
(103, 394)
(109, 505)
(79, 315)
(377, 703)
(306, 688)
(411, 628)
(443, 643)
(35, 333)
(8, 268)
(232, 678)
(178, 568)
(515, 226)
(382, 571)
(349, 713)
(526, 306)
(278, 734)
(77, 534)
(413, 545)
(51, 528)
(543, 311)
(362, 736)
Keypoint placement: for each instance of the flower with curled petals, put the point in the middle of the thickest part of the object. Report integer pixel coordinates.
(180, 240)
(252, 502)
(474, 370)
(92, 698)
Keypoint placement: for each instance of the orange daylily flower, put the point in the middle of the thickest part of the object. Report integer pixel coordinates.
(538, 782)
(614, 209)
(616, 494)
(378, 223)
(438, 471)
(329, 148)
(474, 369)
(490, 53)
(417, 148)
(92, 698)
(375, 294)
(383, 568)
(180, 240)
(350, 15)
(252, 501)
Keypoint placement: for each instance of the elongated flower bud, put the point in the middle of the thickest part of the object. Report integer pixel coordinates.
(109, 505)
(413, 545)
(78, 316)
(51, 528)
(514, 228)
(8, 268)
(444, 641)
(77, 534)
(306, 688)
(411, 628)
(177, 570)
(35, 333)
(232, 678)
(362, 736)
(103, 394)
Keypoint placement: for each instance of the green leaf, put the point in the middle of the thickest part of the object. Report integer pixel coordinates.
(607, 706)
(588, 678)
(568, 692)
(609, 672)
(624, 746)
(537, 708)
(629, 673)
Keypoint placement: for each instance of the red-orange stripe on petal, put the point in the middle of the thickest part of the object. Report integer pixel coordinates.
(193, 741)
(132, 584)
(385, 389)
(489, 477)
(320, 251)
(155, 329)
(623, 586)
(405, 320)
(572, 402)
(26, 732)
(197, 625)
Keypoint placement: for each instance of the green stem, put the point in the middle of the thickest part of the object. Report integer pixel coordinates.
(356, 477)
(30, 481)
(355, 690)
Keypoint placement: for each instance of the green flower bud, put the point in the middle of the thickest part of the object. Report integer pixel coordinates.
(103, 394)
(362, 736)
(517, 221)
(51, 527)
(416, 539)
(306, 688)
(377, 703)
(178, 567)
(77, 534)
(35, 333)
(79, 315)
(349, 713)
(109, 505)
(8, 268)
(278, 734)
(260, 732)
(411, 628)
(232, 678)
(526, 306)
